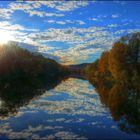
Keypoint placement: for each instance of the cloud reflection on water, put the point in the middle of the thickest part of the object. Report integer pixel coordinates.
(63, 112)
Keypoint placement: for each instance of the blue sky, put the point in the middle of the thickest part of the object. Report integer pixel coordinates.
(71, 32)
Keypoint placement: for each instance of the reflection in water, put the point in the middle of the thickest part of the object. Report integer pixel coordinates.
(67, 108)
(18, 93)
(124, 104)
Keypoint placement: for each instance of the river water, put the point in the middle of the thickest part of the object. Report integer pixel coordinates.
(70, 110)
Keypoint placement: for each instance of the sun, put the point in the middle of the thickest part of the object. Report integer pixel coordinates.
(5, 37)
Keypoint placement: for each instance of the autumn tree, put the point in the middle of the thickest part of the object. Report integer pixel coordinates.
(104, 63)
(117, 60)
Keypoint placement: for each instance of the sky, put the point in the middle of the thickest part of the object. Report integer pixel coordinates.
(71, 32)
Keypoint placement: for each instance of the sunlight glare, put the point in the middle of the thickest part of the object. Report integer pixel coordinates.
(5, 36)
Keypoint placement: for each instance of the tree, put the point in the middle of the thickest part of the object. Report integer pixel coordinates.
(104, 63)
(133, 49)
(117, 59)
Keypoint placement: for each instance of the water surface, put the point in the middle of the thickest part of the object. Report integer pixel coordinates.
(69, 109)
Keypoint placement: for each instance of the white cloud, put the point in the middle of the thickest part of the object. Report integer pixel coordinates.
(5, 13)
(115, 15)
(31, 8)
(63, 6)
(5, 25)
(68, 135)
(126, 31)
(51, 21)
(120, 2)
(70, 35)
(94, 19)
(61, 22)
(71, 5)
(56, 22)
(42, 13)
(112, 25)
(80, 22)
(83, 42)
(20, 6)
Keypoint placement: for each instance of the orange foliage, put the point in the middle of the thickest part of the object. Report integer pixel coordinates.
(103, 62)
(117, 59)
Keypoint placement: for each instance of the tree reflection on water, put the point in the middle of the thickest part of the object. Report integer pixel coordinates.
(123, 101)
(18, 93)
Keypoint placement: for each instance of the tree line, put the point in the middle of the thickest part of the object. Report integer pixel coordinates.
(116, 77)
(120, 64)
(16, 63)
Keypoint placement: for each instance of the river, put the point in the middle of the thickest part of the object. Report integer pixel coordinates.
(71, 109)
